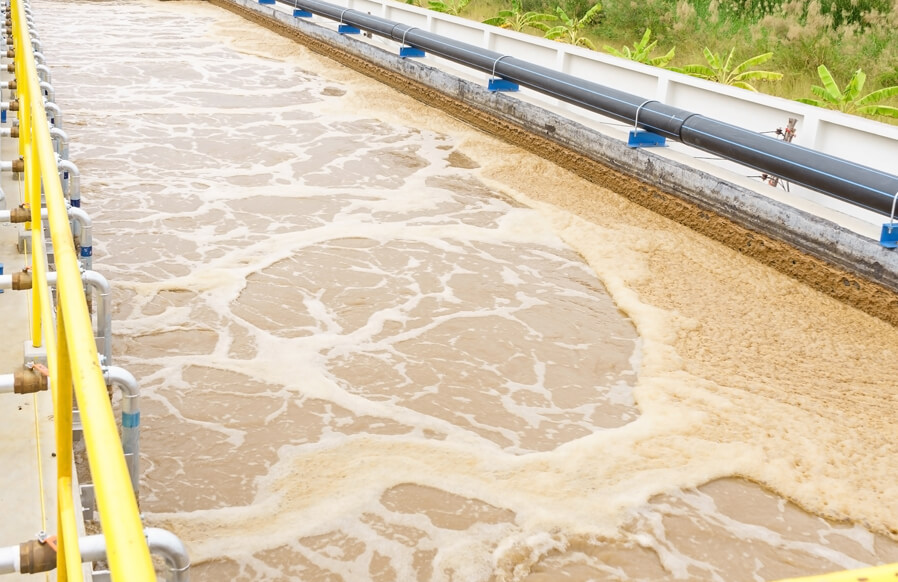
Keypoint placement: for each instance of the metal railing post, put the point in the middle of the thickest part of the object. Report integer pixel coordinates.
(74, 362)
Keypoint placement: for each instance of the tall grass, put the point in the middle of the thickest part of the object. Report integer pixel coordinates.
(845, 35)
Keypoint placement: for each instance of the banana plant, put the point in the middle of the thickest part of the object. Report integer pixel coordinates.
(723, 71)
(642, 51)
(517, 19)
(453, 7)
(571, 29)
(848, 101)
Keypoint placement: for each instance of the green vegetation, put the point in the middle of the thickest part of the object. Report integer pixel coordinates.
(720, 70)
(454, 7)
(573, 29)
(799, 35)
(642, 51)
(848, 101)
(517, 19)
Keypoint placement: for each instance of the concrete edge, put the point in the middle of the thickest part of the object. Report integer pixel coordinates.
(848, 266)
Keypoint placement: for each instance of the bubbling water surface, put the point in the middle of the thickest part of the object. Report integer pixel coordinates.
(375, 344)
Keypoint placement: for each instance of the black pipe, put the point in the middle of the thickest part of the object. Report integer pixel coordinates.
(854, 183)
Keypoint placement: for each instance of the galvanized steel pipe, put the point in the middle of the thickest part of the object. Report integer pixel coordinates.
(69, 175)
(48, 91)
(54, 113)
(43, 73)
(9, 560)
(93, 549)
(161, 542)
(7, 385)
(855, 183)
(99, 284)
(85, 241)
(125, 381)
(61, 143)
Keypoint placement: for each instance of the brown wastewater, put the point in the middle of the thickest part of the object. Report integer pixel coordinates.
(371, 347)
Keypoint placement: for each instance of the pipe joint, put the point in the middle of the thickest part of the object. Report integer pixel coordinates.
(22, 281)
(18, 165)
(28, 381)
(20, 214)
(35, 557)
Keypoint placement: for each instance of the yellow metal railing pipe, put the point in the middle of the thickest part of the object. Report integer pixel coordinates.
(68, 559)
(32, 177)
(74, 359)
(887, 572)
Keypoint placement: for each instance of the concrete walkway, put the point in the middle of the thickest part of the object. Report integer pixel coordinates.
(27, 442)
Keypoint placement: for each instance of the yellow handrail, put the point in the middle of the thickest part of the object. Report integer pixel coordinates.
(884, 573)
(71, 350)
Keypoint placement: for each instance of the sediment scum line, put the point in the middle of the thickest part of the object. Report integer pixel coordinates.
(849, 287)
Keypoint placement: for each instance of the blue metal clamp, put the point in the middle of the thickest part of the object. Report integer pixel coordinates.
(346, 28)
(640, 138)
(410, 51)
(889, 236)
(497, 83)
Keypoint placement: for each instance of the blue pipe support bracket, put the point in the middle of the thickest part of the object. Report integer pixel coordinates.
(411, 52)
(348, 29)
(502, 85)
(299, 13)
(888, 238)
(640, 138)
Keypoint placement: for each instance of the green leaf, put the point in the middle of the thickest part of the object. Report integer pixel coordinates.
(663, 61)
(744, 85)
(877, 96)
(590, 15)
(829, 84)
(538, 26)
(884, 110)
(752, 62)
(726, 65)
(562, 15)
(713, 59)
(700, 71)
(614, 51)
(645, 38)
(496, 20)
(760, 76)
(855, 85)
(813, 102)
(821, 92)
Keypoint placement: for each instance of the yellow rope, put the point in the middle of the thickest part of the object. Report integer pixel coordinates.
(37, 435)
(37, 443)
